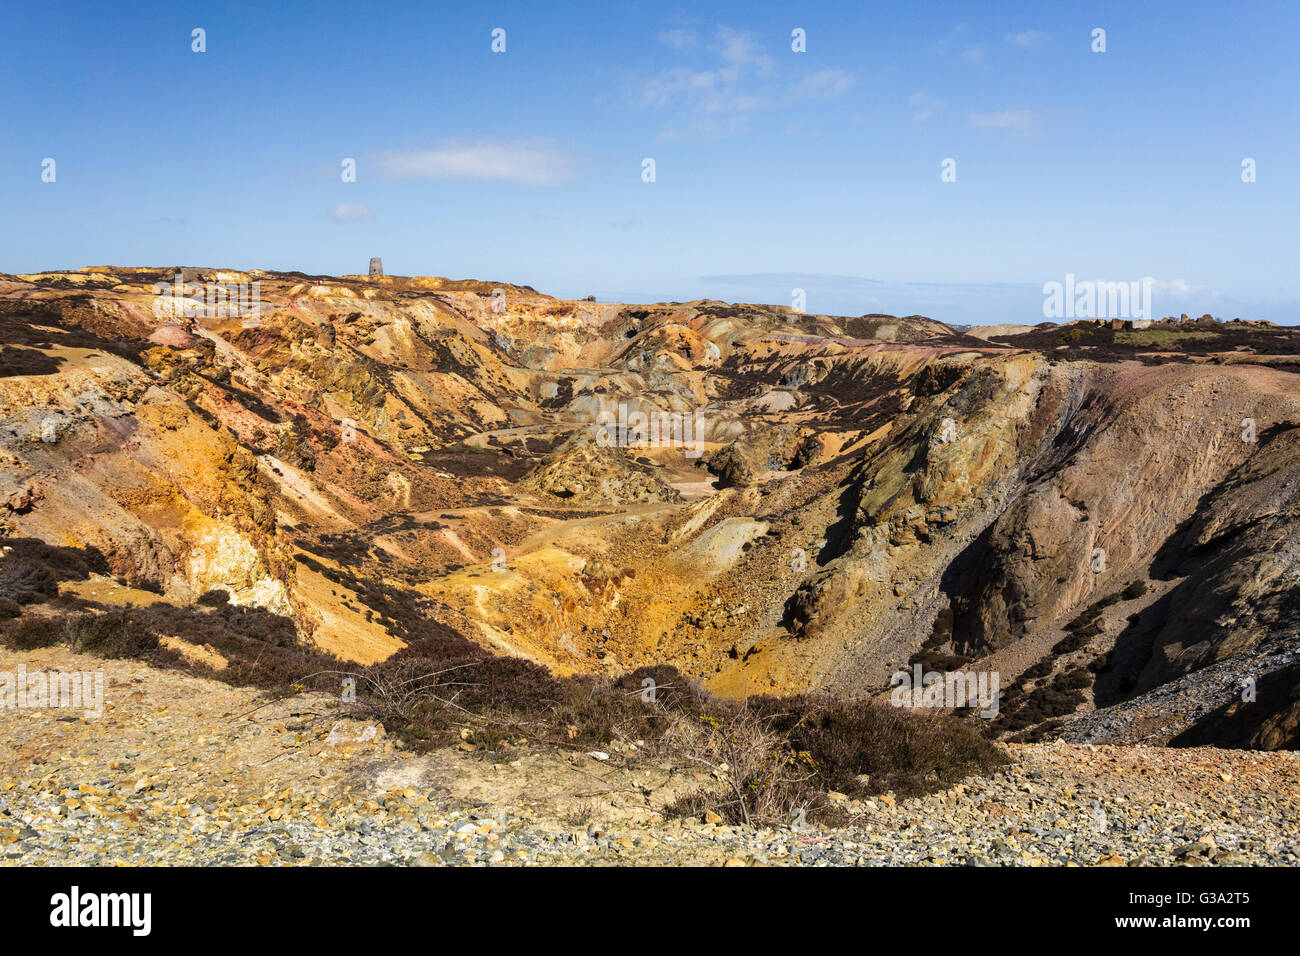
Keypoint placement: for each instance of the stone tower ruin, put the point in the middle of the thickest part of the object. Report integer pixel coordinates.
(376, 266)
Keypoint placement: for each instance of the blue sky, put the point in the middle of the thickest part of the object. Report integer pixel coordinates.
(774, 169)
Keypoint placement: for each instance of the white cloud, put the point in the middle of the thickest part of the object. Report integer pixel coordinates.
(738, 49)
(1028, 39)
(1180, 288)
(825, 84)
(526, 162)
(1020, 121)
(706, 91)
(717, 97)
(350, 212)
(943, 46)
(926, 106)
(973, 55)
(712, 101)
(682, 38)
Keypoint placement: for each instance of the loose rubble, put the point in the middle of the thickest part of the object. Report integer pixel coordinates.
(185, 771)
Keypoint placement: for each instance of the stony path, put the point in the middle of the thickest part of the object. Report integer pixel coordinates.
(180, 770)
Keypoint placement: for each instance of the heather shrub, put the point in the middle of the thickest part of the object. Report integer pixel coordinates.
(214, 598)
(1074, 679)
(900, 750)
(936, 661)
(1135, 590)
(671, 689)
(1041, 669)
(31, 570)
(28, 633)
(111, 635)
(1072, 642)
(784, 754)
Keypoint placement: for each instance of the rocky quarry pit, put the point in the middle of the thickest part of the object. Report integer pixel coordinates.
(770, 501)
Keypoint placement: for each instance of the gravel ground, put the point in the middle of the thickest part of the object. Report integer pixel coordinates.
(185, 771)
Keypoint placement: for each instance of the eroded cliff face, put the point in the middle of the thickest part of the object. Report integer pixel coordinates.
(769, 500)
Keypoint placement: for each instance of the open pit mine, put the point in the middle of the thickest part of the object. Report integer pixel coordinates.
(1103, 513)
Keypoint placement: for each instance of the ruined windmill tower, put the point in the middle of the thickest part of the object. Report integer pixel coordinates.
(376, 267)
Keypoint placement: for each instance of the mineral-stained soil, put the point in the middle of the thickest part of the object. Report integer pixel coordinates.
(771, 501)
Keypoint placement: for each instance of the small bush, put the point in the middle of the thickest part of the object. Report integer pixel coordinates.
(29, 633)
(32, 570)
(1134, 590)
(1041, 669)
(1072, 642)
(1075, 679)
(935, 661)
(1083, 620)
(671, 689)
(111, 635)
(784, 754)
(901, 751)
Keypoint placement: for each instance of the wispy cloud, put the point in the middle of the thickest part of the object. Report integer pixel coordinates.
(1181, 288)
(739, 49)
(944, 45)
(1019, 121)
(683, 38)
(718, 89)
(925, 105)
(734, 79)
(1028, 39)
(959, 42)
(525, 162)
(825, 84)
(350, 212)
